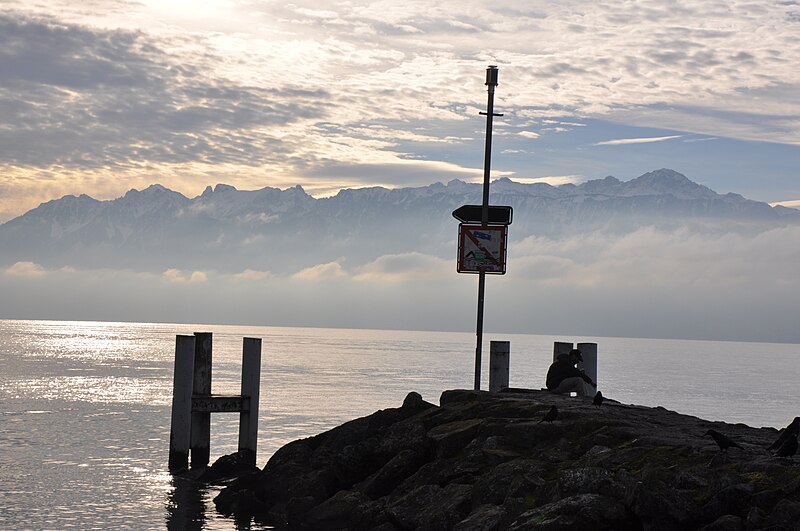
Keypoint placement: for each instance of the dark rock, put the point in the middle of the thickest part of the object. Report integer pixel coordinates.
(726, 522)
(392, 473)
(484, 518)
(452, 437)
(584, 512)
(431, 507)
(483, 461)
(343, 510)
(230, 466)
(785, 514)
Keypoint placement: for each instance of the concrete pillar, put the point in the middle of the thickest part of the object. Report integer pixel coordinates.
(589, 363)
(201, 421)
(181, 423)
(251, 382)
(560, 347)
(499, 360)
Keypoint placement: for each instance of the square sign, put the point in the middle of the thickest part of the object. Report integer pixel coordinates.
(482, 248)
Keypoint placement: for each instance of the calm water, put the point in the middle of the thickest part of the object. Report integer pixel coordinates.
(85, 407)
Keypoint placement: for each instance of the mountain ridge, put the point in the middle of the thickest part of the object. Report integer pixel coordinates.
(225, 228)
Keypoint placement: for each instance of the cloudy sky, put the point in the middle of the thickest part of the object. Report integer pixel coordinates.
(102, 96)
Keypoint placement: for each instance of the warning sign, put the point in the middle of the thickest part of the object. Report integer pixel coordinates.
(482, 248)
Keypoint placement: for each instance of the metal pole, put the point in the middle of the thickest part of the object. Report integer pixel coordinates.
(491, 83)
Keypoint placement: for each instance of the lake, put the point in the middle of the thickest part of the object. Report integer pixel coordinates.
(85, 406)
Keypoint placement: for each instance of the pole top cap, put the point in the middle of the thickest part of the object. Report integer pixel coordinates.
(491, 75)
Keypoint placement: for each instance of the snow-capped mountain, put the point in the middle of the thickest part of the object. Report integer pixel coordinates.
(226, 229)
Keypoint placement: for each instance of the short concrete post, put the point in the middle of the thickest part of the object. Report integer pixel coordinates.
(181, 423)
(251, 382)
(499, 360)
(560, 347)
(589, 363)
(201, 420)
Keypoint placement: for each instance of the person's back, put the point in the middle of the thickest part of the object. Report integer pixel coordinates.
(564, 377)
(561, 369)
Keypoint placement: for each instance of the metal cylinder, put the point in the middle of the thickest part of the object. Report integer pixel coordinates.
(491, 76)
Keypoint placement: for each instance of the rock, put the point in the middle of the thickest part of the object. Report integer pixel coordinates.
(726, 522)
(431, 507)
(584, 512)
(484, 518)
(483, 461)
(230, 466)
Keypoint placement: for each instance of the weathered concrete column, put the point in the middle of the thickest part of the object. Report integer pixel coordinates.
(560, 347)
(181, 422)
(589, 363)
(499, 360)
(251, 383)
(201, 420)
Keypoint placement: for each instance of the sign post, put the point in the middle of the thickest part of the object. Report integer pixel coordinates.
(484, 257)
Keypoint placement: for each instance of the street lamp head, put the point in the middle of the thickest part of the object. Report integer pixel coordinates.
(491, 76)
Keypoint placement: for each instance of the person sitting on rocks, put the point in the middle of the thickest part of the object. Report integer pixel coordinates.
(564, 377)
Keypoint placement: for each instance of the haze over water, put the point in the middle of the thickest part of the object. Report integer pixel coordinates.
(85, 406)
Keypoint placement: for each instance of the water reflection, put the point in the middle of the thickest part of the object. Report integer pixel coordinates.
(186, 508)
(190, 507)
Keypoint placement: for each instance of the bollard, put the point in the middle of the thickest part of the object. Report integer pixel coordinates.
(589, 363)
(251, 380)
(560, 347)
(181, 424)
(201, 420)
(499, 359)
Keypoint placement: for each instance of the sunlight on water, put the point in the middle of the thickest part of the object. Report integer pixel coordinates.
(85, 407)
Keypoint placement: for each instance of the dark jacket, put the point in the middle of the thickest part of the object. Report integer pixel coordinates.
(561, 369)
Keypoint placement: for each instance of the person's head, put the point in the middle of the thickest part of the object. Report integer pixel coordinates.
(575, 355)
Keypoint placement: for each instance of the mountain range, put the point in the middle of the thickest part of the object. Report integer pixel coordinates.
(280, 231)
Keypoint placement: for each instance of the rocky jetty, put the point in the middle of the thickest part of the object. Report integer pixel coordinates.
(490, 461)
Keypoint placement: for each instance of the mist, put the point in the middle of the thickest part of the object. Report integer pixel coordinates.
(652, 283)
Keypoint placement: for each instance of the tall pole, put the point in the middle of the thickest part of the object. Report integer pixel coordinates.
(491, 83)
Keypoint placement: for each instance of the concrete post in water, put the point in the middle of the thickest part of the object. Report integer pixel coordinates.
(201, 420)
(251, 381)
(181, 424)
(560, 347)
(499, 360)
(193, 403)
(589, 363)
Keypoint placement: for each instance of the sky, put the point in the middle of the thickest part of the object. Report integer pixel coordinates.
(102, 96)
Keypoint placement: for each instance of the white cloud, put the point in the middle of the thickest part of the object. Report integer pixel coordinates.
(25, 269)
(177, 276)
(646, 140)
(553, 180)
(529, 134)
(321, 272)
(792, 203)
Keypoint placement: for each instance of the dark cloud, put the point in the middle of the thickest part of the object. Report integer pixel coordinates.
(90, 98)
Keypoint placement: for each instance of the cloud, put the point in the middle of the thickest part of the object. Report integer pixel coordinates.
(321, 272)
(177, 276)
(792, 203)
(97, 99)
(405, 267)
(552, 180)
(646, 140)
(252, 275)
(25, 269)
(529, 134)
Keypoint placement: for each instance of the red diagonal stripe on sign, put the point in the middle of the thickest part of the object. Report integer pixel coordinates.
(481, 247)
